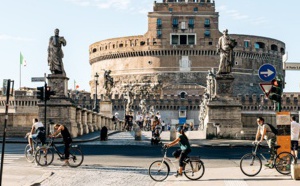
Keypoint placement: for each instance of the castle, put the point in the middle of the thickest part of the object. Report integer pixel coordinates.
(172, 59)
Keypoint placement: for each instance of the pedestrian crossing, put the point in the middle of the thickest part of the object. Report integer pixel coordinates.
(10, 158)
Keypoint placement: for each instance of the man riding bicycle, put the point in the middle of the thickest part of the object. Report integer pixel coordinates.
(37, 131)
(265, 132)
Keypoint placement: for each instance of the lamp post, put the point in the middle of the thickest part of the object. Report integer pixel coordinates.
(96, 107)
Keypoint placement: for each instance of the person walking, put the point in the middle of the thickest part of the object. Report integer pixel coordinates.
(63, 130)
(182, 153)
(265, 132)
(163, 124)
(295, 130)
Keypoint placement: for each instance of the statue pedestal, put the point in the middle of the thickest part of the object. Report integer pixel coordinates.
(224, 85)
(224, 111)
(106, 108)
(59, 109)
(59, 84)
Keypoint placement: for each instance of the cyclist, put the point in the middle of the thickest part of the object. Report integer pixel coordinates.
(63, 130)
(184, 150)
(265, 132)
(37, 131)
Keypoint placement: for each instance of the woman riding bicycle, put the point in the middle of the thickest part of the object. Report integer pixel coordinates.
(184, 150)
(66, 138)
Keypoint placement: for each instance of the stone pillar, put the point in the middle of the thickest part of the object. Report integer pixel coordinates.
(224, 111)
(90, 121)
(84, 121)
(79, 121)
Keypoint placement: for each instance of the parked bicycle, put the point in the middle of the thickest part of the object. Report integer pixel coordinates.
(251, 163)
(159, 170)
(45, 156)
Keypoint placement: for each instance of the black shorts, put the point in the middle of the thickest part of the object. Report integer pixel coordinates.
(294, 145)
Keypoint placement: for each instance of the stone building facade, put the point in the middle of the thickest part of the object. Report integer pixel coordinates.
(174, 56)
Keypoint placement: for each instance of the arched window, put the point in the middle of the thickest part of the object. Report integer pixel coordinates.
(274, 48)
(183, 95)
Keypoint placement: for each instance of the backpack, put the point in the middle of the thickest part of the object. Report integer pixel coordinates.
(274, 130)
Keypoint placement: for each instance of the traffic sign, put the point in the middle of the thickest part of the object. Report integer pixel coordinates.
(291, 66)
(37, 79)
(266, 88)
(267, 72)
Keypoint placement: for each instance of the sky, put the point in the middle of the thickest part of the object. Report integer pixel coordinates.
(27, 25)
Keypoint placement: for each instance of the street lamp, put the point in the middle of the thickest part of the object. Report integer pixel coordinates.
(96, 107)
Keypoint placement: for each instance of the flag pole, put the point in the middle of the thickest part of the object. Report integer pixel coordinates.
(20, 69)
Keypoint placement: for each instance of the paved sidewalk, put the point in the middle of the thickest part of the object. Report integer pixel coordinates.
(127, 138)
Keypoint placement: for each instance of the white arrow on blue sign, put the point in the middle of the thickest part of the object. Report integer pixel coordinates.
(267, 72)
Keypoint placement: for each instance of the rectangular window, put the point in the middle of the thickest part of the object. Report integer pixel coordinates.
(207, 33)
(246, 43)
(256, 45)
(207, 23)
(191, 39)
(175, 40)
(183, 40)
(170, 9)
(158, 32)
(196, 9)
(175, 23)
(158, 23)
(191, 22)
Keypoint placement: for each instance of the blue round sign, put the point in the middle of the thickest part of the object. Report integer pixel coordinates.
(267, 72)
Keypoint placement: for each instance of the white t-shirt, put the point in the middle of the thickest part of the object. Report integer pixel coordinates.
(38, 124)
(295, 129)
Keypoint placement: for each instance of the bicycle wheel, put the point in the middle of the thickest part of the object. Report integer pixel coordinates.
(194, 170)
(29, 154)
(250, 164)
(44, 156)
(283, 162)
(76, 157)
(159, 171)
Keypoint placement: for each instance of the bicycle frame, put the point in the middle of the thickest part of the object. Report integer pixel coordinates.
(168, 160)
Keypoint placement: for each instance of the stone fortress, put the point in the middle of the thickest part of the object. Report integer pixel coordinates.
(169, 66)
(171, 61)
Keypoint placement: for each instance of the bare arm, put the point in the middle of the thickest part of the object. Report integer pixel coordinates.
(257, 134)
(173, 142)
(60, 128)
(32, 129)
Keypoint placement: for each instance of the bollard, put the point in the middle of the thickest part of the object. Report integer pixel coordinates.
(295, 171)
(103, 133)
(138, 134)
(173, 134)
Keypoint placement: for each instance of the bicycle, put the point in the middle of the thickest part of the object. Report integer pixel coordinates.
(29, 152)
(45, 156)
(159, 170)
(251, 163)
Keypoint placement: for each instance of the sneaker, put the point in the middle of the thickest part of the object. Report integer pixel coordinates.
(178, 175)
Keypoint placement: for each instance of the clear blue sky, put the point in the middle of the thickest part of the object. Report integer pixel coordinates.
(26, 26)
